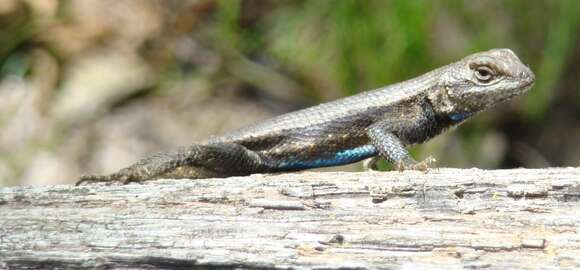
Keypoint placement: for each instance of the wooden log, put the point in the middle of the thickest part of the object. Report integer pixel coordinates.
(443, 219)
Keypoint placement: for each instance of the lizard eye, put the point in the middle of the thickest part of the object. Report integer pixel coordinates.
(484, 74)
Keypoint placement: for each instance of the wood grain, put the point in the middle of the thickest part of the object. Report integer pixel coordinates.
(443, 219)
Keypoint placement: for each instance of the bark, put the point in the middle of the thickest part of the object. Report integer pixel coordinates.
(443, 219)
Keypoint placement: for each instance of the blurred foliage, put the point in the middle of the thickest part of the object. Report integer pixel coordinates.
(561, 37)
(69, 70)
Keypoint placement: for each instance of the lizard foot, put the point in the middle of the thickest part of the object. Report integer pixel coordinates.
(423, 166)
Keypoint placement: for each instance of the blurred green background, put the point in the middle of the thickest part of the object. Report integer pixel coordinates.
(94, 85)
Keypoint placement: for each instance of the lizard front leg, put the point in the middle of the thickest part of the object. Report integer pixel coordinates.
(196, 161)
(392, 149)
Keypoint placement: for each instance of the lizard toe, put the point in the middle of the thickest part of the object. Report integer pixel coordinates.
(425, 165)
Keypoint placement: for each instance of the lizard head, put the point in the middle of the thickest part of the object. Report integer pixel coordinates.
(482, 80)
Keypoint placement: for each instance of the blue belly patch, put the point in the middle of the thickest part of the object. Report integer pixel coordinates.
(340, 158)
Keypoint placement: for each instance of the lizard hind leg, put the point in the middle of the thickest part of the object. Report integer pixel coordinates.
(194, 162)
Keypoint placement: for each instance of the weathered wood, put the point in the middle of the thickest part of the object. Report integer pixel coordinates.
(444, 219)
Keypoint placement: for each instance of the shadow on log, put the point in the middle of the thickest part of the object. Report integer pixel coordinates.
(447, 218)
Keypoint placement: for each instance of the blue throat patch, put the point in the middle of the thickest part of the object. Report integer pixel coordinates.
(339, 158)
(458, 117)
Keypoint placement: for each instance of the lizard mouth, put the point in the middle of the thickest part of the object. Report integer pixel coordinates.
(528, 83)
(526, 86)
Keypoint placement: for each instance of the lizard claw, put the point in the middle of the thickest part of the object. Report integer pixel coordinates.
(426, 164)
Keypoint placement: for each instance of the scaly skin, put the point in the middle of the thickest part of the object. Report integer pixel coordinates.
(377, 123)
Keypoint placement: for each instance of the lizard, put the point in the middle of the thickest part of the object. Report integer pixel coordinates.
(379, 123)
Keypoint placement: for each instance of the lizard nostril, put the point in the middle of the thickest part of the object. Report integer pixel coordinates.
(526, 74)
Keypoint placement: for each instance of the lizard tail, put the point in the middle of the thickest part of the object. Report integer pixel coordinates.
(93, 178)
